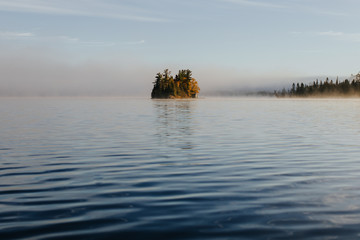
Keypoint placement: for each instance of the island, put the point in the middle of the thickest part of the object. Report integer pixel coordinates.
(183, 85)
(327, 88)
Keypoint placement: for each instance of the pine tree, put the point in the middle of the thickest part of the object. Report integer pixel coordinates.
(183, 85)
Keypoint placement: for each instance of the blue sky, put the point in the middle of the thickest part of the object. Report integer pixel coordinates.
(109, 47)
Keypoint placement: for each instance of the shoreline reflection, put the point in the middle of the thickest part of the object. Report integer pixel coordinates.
(175, 123)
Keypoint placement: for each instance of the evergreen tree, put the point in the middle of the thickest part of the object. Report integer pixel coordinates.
(182, 86)
(326, 88)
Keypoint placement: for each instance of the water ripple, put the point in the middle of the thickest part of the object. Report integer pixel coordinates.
(205, 169)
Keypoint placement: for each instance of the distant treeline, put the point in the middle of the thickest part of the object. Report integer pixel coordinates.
(323, 88)
(183, 85)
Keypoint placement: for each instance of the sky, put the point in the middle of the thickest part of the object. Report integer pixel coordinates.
(116, 47)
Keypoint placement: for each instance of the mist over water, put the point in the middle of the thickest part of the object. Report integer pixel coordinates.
(235, 168)
(46, 72)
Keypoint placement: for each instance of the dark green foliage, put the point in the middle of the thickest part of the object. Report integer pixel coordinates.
(182, 86)
(323, 89)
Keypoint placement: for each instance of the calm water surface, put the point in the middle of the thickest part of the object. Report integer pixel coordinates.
(102, 168)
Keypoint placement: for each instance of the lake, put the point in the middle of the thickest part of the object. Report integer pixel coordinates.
(211, 168)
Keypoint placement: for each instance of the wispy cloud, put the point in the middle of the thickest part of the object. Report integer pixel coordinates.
(353, 37)
(135, 42)
(256, 3)
(329, 13)
(331, 34)
(6, 35)
(290, 5)
(93, 8)
(78, 41)
(13, 35)
(343, 36)
(75, 40)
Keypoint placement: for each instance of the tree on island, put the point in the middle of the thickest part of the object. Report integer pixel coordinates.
(182, 86)
(323, 89)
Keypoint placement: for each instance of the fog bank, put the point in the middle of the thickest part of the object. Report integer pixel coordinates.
(37, 74)
(33, 72)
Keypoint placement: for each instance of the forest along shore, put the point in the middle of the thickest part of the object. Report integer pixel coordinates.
(327, 88)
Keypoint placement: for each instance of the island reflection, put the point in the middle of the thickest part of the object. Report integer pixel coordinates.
(175, 123)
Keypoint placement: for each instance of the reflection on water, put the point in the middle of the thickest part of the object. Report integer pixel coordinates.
(183, 169)
(175, 123)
